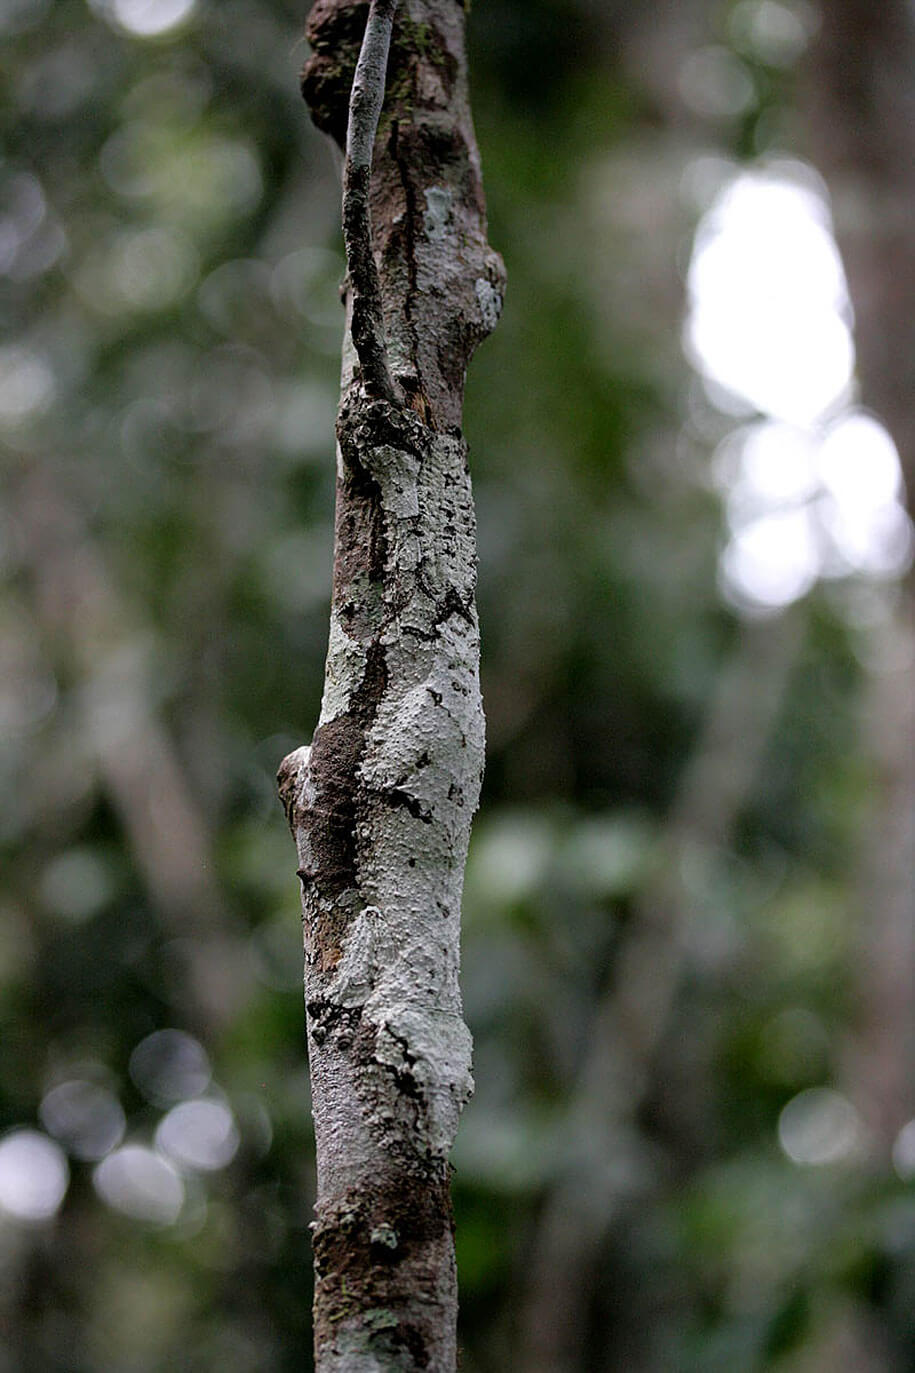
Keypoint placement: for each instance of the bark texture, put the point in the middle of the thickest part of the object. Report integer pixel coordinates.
(380, 804)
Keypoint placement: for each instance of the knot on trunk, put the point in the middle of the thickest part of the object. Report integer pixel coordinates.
(335, 32)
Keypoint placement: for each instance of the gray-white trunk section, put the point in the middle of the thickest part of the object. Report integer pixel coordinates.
(420, 776)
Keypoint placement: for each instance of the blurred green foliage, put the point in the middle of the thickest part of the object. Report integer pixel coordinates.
(170, 253)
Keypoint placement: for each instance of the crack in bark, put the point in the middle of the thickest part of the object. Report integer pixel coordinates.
(396, 796)
(409, 228)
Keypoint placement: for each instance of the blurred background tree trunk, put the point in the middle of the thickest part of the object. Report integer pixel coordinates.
(860, 106)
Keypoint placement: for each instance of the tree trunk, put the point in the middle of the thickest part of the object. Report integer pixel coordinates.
(380, 805)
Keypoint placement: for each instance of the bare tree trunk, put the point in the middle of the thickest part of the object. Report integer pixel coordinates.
(380, 805)
(860, 94)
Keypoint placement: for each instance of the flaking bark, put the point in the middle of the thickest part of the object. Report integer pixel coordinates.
(380, 805)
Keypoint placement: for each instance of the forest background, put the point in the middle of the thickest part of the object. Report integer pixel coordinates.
(688, 943)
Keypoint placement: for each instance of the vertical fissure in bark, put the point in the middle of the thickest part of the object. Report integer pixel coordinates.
(409, 230)
(380, 804)
(367, 316)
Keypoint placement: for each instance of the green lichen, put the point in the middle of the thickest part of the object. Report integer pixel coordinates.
(413, 43)
(418, 37)
(379, 1319)
(422, 40)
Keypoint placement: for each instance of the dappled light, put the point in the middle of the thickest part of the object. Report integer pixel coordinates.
(803, 505)
(145, 18)
(170, 1065)
(198, 1135)
(813, 489)
(26, 384)
(687, 934)
(770, 318)
(904, 1152)
(820, 1126)
(77, 884)
(33, 1176)
(85, 1117)
(141, 1184)
(777, 33)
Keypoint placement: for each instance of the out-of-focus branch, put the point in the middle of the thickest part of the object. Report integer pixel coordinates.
(630, 1021)
(79, 610)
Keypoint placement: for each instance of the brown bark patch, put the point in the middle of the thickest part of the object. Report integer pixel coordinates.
(334, 30)
(376, 1252)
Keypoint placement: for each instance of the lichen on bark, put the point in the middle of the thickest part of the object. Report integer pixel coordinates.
(380, 803)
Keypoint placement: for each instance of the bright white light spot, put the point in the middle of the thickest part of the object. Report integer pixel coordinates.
(26, 384)
(862, 512)
(169, 1066)
(876, 542)
(768, 299)
(771, 562)
(140, 1183)
(837, 500)
(764, 467)
(199, 1134)
(86, 1118)
(820, 1126)
(145, 18)
(858, 462)
(904, 1152)
(768, 327)
(778, 463)
(33, 1175)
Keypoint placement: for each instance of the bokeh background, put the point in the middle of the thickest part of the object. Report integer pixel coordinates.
(688, 955)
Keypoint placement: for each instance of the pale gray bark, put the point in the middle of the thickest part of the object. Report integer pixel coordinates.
(380, 804)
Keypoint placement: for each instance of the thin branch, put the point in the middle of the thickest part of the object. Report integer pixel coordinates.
(364, 111)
